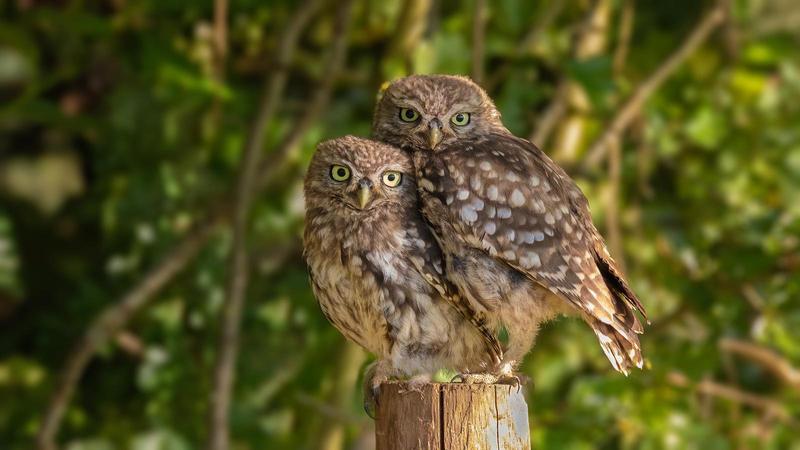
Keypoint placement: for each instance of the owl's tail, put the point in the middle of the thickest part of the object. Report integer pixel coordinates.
(622, 348)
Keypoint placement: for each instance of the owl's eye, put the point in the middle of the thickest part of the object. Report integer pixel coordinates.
(408, 115)
(460, 119)
(340, 173)
(392, 178)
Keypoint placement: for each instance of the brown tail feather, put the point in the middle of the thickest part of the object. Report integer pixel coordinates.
(622, 349)
(616, 282)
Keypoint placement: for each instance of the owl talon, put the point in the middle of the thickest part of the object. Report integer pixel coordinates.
(474, 378)
(375, 375)
(511, 380)
(371, 402)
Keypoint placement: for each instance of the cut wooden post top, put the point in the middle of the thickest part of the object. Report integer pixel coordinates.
(451, 416)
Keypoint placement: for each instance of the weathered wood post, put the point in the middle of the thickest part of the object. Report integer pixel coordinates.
(451, 416)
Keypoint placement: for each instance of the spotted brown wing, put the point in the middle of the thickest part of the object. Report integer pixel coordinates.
(426, 257)
(506, 197)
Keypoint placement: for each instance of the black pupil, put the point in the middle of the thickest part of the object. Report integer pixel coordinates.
(409, 114)
(459, 117)
(341, 172)
(390, 177)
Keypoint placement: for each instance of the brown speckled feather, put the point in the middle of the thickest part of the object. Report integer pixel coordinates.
(515, 230)
(508, 199)
(377, 270)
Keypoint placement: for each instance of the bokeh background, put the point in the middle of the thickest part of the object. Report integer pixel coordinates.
(149, 150)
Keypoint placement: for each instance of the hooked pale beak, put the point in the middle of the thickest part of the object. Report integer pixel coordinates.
(364, 192)
(434, 133)
(364, 196)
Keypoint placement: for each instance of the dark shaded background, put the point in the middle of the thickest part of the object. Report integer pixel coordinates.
(124, 136)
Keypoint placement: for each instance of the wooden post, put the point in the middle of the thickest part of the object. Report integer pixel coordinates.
(451, 416)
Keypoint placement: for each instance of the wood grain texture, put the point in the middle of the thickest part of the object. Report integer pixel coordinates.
(452, 417)
(408, 418)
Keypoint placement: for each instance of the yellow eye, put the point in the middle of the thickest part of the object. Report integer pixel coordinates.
(340, 173)
(408, 115)
(460, 119)
(392, 178)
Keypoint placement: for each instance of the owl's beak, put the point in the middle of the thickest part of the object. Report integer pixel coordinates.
(434, 133)
(364, 194)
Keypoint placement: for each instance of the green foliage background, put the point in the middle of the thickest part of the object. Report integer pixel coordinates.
(119, 127)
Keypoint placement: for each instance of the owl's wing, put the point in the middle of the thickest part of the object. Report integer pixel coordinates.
(505, 196)
(425, 255)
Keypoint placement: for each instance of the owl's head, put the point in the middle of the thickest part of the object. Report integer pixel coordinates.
(427, 111)
(352, 175)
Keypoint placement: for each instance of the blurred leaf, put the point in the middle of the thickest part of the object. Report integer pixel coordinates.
(595, 75)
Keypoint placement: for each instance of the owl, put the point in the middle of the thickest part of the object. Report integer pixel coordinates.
(376, 269)
(516, 231)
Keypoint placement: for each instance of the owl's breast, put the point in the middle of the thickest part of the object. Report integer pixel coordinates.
(346, 290)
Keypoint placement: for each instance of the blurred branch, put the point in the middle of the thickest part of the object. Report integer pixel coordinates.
(238, 269)
(778, 22)
(336, 414)
(663, 323)
(118, 314)
(624, 33)
(714, 389)
(480, 15)
(644, 160)
(765, 357)
(612, 202)
(589, 40)
(753, 297)
(624, 36)
(220, 37)
(111, 320)
(277, 381)
(730, 30)
(340, 394)
(554, 8)
(313, 110)
(551, 116)
(129, 343)
(642, 93)
(411, 26)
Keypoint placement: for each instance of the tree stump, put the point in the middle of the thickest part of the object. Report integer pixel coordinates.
(451, 416)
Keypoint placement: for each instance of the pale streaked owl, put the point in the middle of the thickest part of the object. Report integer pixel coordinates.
(516, 231)
(377, 271)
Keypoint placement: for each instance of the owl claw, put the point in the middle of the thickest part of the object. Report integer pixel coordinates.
(488, 378)
(371, 402)
(374, 376)
(474, 378)
(511, 380)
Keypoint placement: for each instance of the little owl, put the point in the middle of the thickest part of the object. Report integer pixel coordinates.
(516, 231)
(376, 270)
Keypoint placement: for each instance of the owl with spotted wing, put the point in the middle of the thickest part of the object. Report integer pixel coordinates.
(516, 232)
(377, 271)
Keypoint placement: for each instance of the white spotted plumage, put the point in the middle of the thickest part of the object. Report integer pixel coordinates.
(532, 251)
(376, 270)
